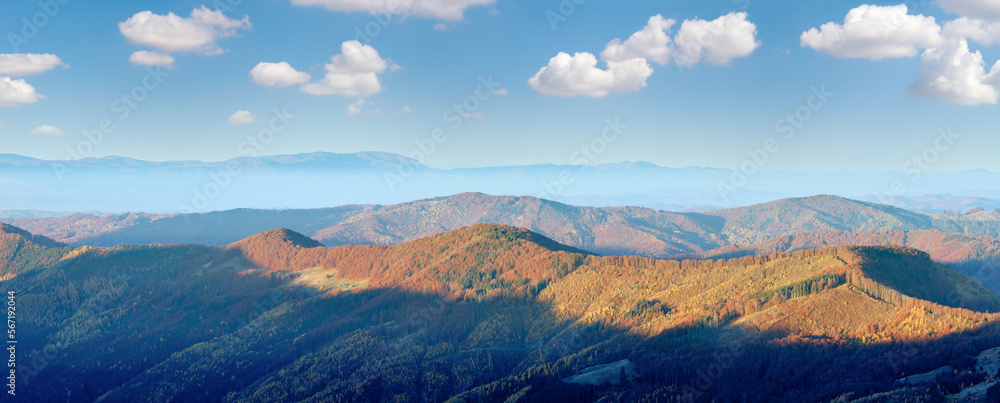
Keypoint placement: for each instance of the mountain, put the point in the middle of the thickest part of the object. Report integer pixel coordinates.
(760, 222)
(277, 238)
(78, 227)
(936, 203)
(297, 162)
(943, 247)
(31, 214)
(317, 180)
(118, 184)
(21, 251)
(12, 232)
(489, 313)
(780, 226)
(604, 230)
(618, 230)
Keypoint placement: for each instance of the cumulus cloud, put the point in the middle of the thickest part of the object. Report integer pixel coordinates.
(716, 42)
(17, 92)
(46, 130)
(875, 32)
(949, 70)
(352, 73)
(147, 58)
(277, 75)
(980, 31)
(983, 9)
(578, 75)
(172, 33)
(447, 10)
(952, 73)
(26, 64)
(242, 117)
(652, 42)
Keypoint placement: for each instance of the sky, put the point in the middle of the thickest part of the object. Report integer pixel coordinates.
(821, 86)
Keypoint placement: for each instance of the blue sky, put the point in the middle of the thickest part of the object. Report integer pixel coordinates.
(708, 112)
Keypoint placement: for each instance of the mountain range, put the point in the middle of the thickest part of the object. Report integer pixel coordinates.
(765, 228)
(485, 313)
(605, 230)
(317, 180)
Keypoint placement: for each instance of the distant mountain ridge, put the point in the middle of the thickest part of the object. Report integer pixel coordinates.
(321, 160)
(604, 230)
(757, 223)
(317, 180)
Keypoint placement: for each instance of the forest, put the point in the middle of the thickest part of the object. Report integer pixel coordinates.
(489, 313)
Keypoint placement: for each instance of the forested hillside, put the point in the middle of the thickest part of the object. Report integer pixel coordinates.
(976, 256)
(486, 313)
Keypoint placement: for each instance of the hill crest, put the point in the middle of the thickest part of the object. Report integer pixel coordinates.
(277, 238)
(36, 239)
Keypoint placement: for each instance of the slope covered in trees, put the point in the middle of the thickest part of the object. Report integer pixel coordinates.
(79, 227)
(489, 313)
(977, 257)
(20, 251)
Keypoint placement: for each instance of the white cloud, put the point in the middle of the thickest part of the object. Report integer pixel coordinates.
(26, 64)
(716, 42)
(352, 73)
(952, 73)
(348, 85)
(980, 31)
(875, 32)
(147, 58)
(17, 92)
(500, 91)
(652, 42)
(242, 117)
(578, 75)
(440, 26)
(983, 9)
(355, 108)
(405, 111)
(475, 115)
(172, 33)
(357, 58)
(46, 130)
(447, 10)
(277, 75)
